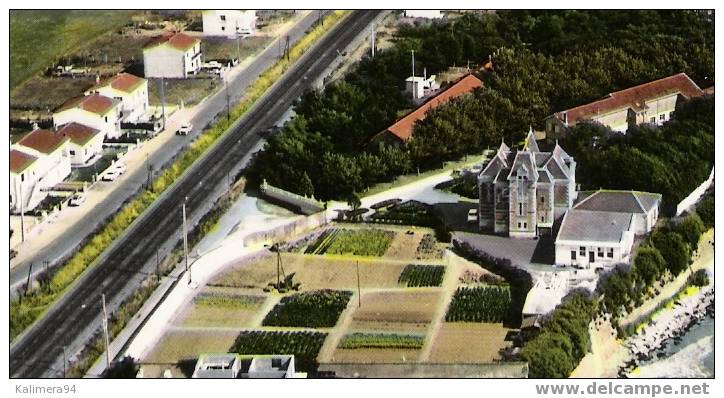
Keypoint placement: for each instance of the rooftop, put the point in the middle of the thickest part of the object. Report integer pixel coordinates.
(79, 134)
(402, 128)
(19, 161)
(125, 82)
(594, 226)
(634, 97)
(179, 41)
(43, 141)
(95, 103)
(618, 201)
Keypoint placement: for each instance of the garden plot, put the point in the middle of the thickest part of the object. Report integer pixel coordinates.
(304, 346)
(316, 309)
(222, 308)
(314, 272)
(479, 304)
(415, 275)
(378, 347)
(403, 311)
(468, 343)
(358, 242)
(374, 355)
(185, 345)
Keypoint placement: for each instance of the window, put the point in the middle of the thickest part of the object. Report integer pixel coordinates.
(525, 225)
(223, 17)
(600, 252)
(671, 114)
(72, 152)
(223, 28)
(520, 209)
(106, 119)
(22, 177)
(652, 119)
(662, 117)
(610, 252)
(519, 225)
(582, 250)
(573, 254)
(542, 218)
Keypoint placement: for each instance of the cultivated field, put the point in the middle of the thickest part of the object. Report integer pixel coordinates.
(468, 343)
(222, 308)
(396, 310)
(374, 355)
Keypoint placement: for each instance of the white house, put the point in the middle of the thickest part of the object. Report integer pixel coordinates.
(233, 366)
(419, 87)
(85, 145)
(428, 14)
(37, 162)
(172, 56)
(600, 229)
(653, 103)
(229, 22)
(130, 90)
(96, 111)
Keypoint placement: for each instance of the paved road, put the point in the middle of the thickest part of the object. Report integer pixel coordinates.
(38, 352)
(58, 249)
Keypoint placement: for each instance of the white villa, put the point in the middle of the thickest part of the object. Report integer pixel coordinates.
(229, 22)
(130, 90)
(653, 102)
(86, 143)
(599, 230)
(38, 162)
(96, 111)
(172, 56)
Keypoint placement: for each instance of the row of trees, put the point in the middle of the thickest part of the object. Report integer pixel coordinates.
(552, 62)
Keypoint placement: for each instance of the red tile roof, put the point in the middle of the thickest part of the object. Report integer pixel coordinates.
(96, 103)
(634, 97)
(19, 161)
(79, 134)
(179, 41)
(125, 82)
(402, 128)
(43, 141)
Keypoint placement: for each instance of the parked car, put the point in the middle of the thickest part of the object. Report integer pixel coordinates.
(473, 215)
(185, 129)
(77, 199)
(114, 172)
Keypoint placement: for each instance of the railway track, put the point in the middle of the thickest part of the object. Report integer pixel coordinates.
(77, 312)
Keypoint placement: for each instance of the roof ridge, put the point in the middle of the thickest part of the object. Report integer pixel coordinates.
(586, 198)
(638, 201)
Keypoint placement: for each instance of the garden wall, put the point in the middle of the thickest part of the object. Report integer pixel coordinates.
(426, 370)
(299, 226)
(695, 195)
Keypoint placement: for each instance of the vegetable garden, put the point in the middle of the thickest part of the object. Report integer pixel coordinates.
(415, 275)
(361, 242)
(382, 340)
(479, 304)
(304, 346)
(317, 309)
(229, 300)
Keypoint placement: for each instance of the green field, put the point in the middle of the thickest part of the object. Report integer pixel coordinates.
(39, 36)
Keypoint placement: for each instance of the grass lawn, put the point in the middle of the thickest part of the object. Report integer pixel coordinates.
(189, 91)
(47, 93)
(468, 343)
(39, 36)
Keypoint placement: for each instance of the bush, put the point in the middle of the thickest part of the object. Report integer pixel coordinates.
(705, 210)
(479, 304)
(304, 346)
(317, 309)
(699, 278)
(422, 275)
(691, 228)
(427, 244)
(382, 340)
(673, 249)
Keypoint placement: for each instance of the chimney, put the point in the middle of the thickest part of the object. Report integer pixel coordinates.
(424, 73)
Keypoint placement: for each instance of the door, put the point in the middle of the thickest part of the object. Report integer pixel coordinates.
(591, 257)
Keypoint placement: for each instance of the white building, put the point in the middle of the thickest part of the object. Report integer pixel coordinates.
(420, 87)
(172, 56)
(96, 111)
(234, 366)
(38, 162)
(130, 90)
(428, 14)
(600, 229)
(229, 22)
(85, 145)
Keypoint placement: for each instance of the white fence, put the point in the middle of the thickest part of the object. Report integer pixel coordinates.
(695, 195)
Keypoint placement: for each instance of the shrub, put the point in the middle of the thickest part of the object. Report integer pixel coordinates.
(691, 228)
(479, 304)
(317, 309)
(427, 244)
(705, 210)
(673, 249)
(699, 278)
(421, 275)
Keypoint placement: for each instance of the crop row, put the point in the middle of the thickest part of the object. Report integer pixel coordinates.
(479, 304)
(382, 340)
(323, 241)
(303, 345)
(415, 275)
(361, 242)
(228, 300)
(317, 309)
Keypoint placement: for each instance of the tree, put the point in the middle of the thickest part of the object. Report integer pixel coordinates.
(691, 228)
(705, 210)
(649, 265)
(353, 201)
(673, 249)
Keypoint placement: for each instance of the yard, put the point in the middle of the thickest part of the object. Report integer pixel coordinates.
(86, 174)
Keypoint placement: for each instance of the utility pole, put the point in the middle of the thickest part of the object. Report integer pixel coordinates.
(286, 48)
(148, 177)
(372, 37)
(65, 361)
(186, 244)
(359, 291)
(238, 50)
(228, 100)
(22, 214)
(105, 331)
(279, 265)
(413, 62)
(163, 104)
(27, 285)
(158, 265)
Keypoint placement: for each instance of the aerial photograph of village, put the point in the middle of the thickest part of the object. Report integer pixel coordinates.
(365, 193)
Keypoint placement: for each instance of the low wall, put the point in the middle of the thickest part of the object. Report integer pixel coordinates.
(426, 370)
(283, 232)
(695, 195)
(299, 203)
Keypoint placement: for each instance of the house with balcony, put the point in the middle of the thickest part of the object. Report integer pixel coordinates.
(653, 102)
(85, 144)
(172, 56)
(230, 23)
(95, 110)
(130, 90)
(600, 229)
(38, 162)
(523, 192)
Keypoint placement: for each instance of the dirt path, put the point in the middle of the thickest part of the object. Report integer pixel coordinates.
(454, 266)
(270, 302)
(335, 334)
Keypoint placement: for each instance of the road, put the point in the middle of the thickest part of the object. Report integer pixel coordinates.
(55, 250)
(39, 351)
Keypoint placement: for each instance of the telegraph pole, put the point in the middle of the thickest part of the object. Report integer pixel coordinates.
(22, 214)
(373, 40)
(105, 331)
(359, 291)
(65, 361)
(148, 177)
(186, 244)
(163, 104)
(228, 100)
(413, 62)
(27, 285)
